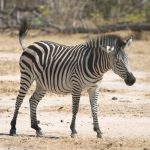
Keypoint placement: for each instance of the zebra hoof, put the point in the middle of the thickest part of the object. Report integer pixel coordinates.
(38, 122)
(39, 132)
(12, 132)
(99, 135)
(74, 135)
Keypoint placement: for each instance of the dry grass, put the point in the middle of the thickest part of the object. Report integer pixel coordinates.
(12, 87)
(9, 67)
(139, 54)
(9, 87)
(14, 46)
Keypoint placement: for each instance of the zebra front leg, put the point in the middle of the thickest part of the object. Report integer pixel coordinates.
(34, 100)
(93, 94)
(75, 107)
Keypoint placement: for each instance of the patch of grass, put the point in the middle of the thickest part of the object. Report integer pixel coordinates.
(12, 87)
(139, 55)
(9, 67)
(9, 87)
(35, 36)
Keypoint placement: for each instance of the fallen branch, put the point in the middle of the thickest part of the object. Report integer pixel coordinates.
(110, 28)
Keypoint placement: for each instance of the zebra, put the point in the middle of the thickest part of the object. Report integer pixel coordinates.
(66, 69)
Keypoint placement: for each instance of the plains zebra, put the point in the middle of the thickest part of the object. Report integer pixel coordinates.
(69, 69)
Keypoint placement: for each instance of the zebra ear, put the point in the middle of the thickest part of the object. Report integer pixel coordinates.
(108, 49)
(128, 41)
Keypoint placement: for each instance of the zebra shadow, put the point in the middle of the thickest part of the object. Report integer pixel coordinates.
(3, 134)
(47, 137)
(25, 135)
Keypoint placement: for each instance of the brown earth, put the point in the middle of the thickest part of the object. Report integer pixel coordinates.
(125, 121)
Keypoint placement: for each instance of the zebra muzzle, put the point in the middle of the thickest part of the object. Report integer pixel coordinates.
(130, 80)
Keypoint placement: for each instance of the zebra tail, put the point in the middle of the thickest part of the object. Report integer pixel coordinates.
(23, 32)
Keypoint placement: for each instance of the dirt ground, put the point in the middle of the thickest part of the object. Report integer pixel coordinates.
(124, 112)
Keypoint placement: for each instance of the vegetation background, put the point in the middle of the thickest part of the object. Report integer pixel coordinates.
(75, 15)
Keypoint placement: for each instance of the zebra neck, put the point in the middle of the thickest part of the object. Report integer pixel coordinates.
(101, 62)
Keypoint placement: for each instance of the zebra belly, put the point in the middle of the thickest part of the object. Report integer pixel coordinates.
(61, 83)
(59, 89)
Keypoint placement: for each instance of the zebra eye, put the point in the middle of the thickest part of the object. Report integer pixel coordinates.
(110, 49)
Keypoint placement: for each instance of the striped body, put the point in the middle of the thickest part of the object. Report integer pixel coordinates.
(57, 67)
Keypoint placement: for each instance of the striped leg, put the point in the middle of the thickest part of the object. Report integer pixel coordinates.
(24, 86)
(34, 100)
(93, 101)
(75, 107)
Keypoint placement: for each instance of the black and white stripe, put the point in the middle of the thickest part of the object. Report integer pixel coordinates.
(68, 69)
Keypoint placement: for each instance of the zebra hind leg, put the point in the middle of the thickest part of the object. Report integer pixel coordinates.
(24, 86)
(75, 107)
(34, 100)
(19, 101)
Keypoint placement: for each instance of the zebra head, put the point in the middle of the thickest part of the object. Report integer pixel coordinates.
(119, 60)
(112, 49)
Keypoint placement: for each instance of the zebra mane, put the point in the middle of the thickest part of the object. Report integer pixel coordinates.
(104, 40)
